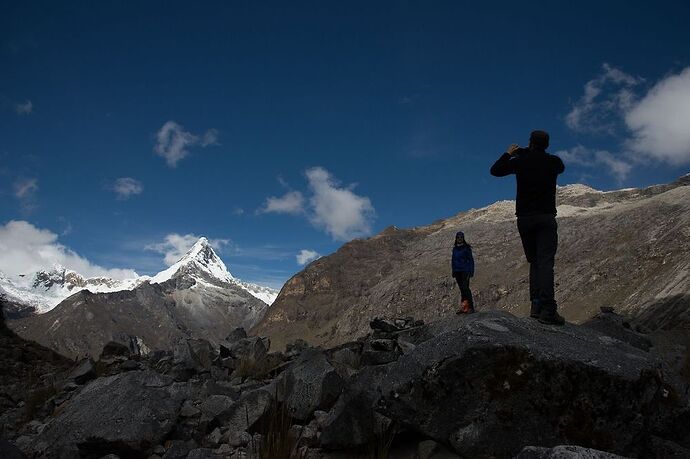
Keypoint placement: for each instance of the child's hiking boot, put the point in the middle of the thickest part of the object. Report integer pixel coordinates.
(467, 308)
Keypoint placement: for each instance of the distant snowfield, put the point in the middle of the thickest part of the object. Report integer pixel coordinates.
(46, 289)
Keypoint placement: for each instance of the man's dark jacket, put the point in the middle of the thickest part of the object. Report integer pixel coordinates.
(536, 172)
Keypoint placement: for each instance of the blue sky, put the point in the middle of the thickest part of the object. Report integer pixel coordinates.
(126, 128)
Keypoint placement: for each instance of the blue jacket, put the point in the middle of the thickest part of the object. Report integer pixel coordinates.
(463, 261)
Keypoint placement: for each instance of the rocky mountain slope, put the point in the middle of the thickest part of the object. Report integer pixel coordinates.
(40, 292)
(195, 297)
(629, 248)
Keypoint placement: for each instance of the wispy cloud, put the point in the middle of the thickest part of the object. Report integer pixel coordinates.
(306, 256)
(336, 209)
(24, 109)
(173, 142)
(174, 246)
(291, 202)
(583, 156)
(605, 99)
(26, 249)
(126, 187)
(25, 191)
(651, 125)
(25, 188)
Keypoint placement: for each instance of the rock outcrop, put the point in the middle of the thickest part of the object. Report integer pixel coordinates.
(482, 386)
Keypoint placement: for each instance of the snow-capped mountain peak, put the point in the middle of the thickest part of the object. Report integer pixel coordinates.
(202, 260)
(46, 288)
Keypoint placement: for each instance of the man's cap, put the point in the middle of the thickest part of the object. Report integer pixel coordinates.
(539, 139)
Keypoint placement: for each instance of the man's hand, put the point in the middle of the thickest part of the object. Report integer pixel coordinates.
(512, 149)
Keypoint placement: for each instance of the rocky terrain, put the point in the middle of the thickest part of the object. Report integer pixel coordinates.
(630, 248)
(482, 386)
(195, 297)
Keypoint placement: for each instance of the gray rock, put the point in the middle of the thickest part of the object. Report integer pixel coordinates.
(238, 438)
(615, 326)
(252, 349)
(564, 452)
(114, 349)
(309, 384)
(247, 410)
(383, 345)
(177, 449)
(188, 410)
(129, 365)
(213, 439)
(84, 372)
(383, 325)
(429, 449)
(236, 335)
(202, 453)
(215, 406)
(490, 383)
(133, 410)
(372, 357)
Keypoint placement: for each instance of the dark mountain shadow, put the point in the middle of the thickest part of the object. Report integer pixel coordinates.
(670, 314)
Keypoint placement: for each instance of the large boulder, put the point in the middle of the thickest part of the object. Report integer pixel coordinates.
(489, 384)
(126, 414)
(309, 384)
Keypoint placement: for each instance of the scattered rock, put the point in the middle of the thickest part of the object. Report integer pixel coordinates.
(564, 452)
(84, 372)
(113, 349)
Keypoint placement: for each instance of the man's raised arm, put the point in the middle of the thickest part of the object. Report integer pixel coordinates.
(505, 164)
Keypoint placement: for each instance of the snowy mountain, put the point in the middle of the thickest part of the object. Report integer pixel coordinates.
(196, 297)
(42, 291)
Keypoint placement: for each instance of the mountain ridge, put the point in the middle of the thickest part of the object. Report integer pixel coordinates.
(44, 290)
(629, 248)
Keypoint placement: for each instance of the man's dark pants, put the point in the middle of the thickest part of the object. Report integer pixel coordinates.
(539, 234)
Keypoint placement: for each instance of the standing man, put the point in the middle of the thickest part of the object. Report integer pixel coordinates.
(536, 172)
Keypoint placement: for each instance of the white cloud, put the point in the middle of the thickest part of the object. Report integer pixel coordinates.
(339, 211)
(25, 188)
(24, 109)
(26, 249)
(660, 121)
(210, 137)
(305, 256)
(291, 202)
(126, 187)
(605, 99)
(583, 156)
(174, 246)
(173, 142)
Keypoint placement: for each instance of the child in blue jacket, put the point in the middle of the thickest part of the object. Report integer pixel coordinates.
(463, 269)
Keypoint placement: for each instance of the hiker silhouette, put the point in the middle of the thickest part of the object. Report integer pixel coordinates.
(463, 269)
(536, 173)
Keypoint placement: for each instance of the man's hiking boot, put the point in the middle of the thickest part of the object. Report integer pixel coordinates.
(551, 317)
(535, 309)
